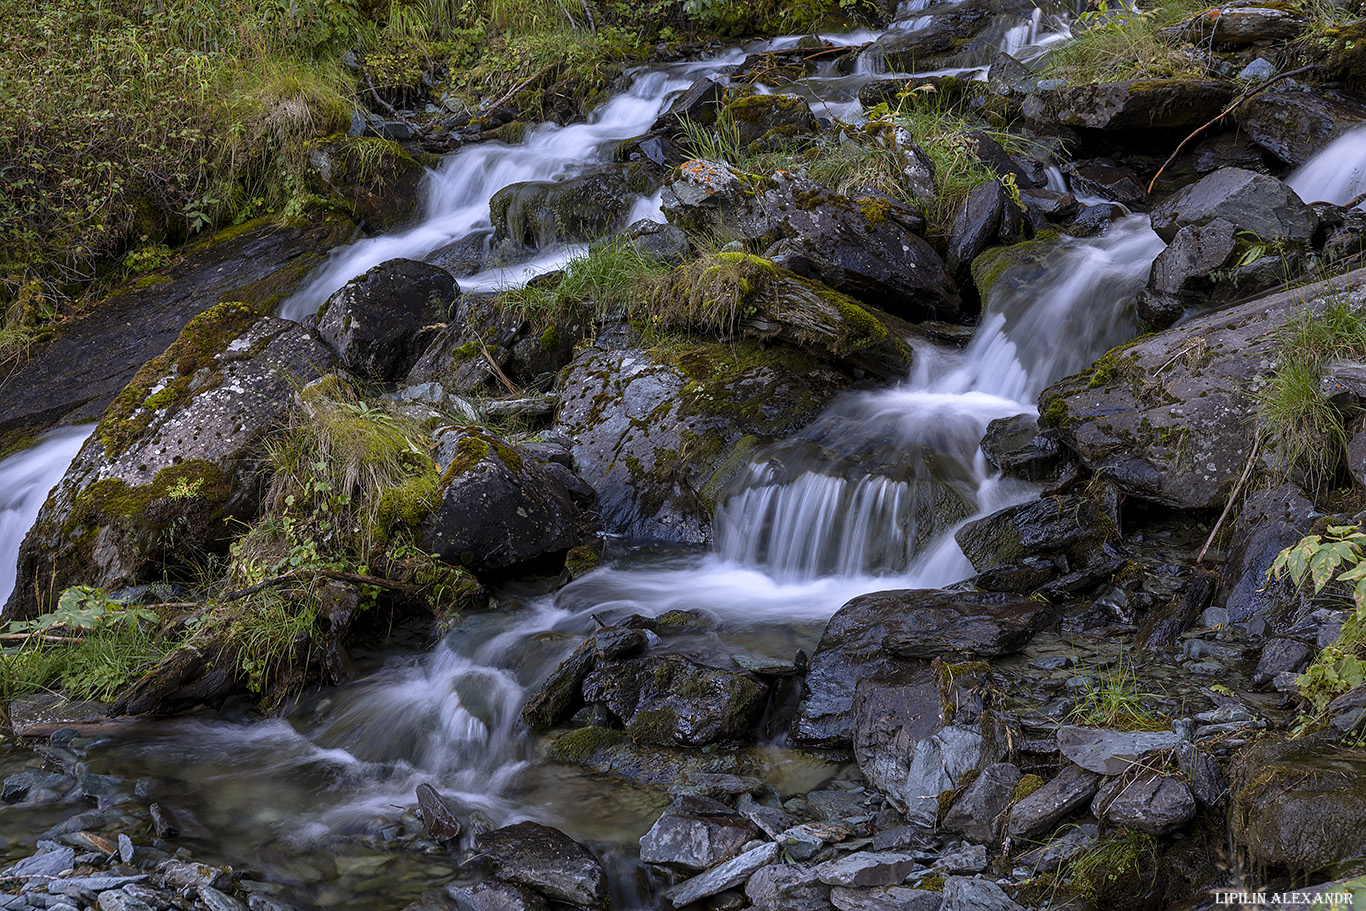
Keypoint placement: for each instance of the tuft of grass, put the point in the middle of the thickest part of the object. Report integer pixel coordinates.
(1303, 430)
(1119, 43)
(1113, 698)
(611, 280)
(1112, 869)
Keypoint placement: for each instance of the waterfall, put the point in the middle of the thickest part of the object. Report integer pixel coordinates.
(26, 478)
(1336, 173)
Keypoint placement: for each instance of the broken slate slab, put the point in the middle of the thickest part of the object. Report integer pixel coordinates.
(728, 875)
(866, 868)
(1111, 752)
(1069, 790)
(895, 898)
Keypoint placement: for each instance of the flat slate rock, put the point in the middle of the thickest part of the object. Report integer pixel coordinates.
(1111, 752)
(546, 860)
(728, 875)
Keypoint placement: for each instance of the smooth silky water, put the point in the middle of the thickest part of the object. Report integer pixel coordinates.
(865, 499)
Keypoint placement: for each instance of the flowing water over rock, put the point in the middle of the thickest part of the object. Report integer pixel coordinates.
(866, 499)
(1337, 174)
(26, 478)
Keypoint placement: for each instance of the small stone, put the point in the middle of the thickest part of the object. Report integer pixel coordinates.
(728, 875)
(894, 898)
(163, 822)
(496, 895)
(219, 901)
(866, 868)
(120, 900)
(187, 874)
(967, 859)
(125, 848)
(803, 841)
(547, 860)
(438, 817)
(1258, 70)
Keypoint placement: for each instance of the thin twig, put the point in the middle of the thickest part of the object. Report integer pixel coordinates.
(1246, 94)
(1233, 495)
(370, 84)
(497, 371)
(25, 637)
(521, 85)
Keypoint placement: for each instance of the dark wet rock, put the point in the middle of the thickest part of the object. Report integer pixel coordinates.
(957, 36)
(698, 103)
(717, 786)
(866, 868)
(835, 804)
(980, 813)
(1348, 711)
(215, 900)
(763, 122)
(1281, 656)
(1068, 791)
(541, 212)
(728, 875)
(1298, 805)
(1161, 629)
(609, 750)
(872, 635)
(121, 900)
(657, 436)
(1153, 803)
(1095, 219)
(1108, 181)
(438, 818)
(667, 244)
(373, 322)
(73, 377)
(963, 894)
(1157, 103)
(1194, 252)
(1018, 578)
(787, 887)
(500, 509)
(1247, 200)
(1294, 124)
(38, 784)
(695, 833)
(865, 246)
(894, 898)
(771, 820)
(495, 895)
(164, 823)
(383, 190)
(1072, 525)
(174, 459)
(1053, 205)
(671, 701)
(963, 859)
(546, 860)
(1201, 770)
(1015, 446)
(1236, 26)
(978, 225)
(1270, 521)
(1165, 418)
(1111, 752)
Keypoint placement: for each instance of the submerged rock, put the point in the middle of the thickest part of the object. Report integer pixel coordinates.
(671, 701)
(539, 213)
(174, 458)
(546, 860)
(695, 833)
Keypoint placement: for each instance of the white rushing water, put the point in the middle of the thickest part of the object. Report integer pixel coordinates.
(26, 478)
(1336, 173)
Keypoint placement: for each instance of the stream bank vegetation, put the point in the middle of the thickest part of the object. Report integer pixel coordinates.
(334, 545)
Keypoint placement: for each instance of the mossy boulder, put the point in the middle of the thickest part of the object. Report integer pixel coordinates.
(1153, 104)
(502, 510)
(672, 701)
(540, 212)
(610, 750)
(175, 456)
(658, 432)
(764, 122)
(73, 376)
(866, 246)
(1299, 806)
(1168, 418)
(376, 179)
(1293, 125)
(374, 322)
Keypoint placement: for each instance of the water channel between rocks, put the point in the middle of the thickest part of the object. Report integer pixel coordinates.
(316, 801)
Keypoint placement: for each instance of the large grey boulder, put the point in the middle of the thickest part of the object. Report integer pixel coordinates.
(1269, 522)
(695, 833)
(176, 456)
(1036, 815)
(1168, 418)
(540, 212)
(1156, 103)
(1194, 252)
(501, 508)
(1299, 805)
(866, 246)
(1296, 123)
(1251, 202)
(671, 701)
(880, 635)
(1111, 752)
(546, 860)
(657, 434)
(373, 322)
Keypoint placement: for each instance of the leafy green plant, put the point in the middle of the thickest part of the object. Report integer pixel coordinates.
(1334, 557)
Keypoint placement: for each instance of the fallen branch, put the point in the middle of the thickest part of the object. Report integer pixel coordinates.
(369, 84)
(340, 576)
(28, 637)
(1246, 94)
(521, 85)
(1232, 497)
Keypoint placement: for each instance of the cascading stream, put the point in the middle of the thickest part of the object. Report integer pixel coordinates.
(26, 478)
(1337, 174)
